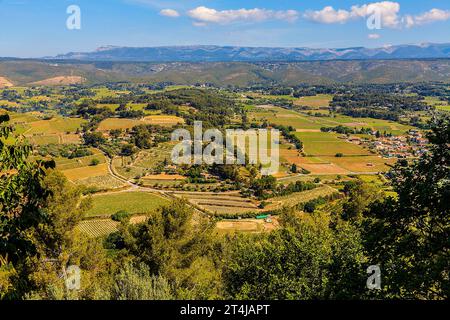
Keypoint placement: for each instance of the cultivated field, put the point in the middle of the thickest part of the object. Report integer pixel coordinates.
(305, 122)
(98, 227)
(300, 197)
(132, 202)
(320, 100)
(223, 203)
(247, 225)
(57, 125)
(102, 227)
(328, 144)
(86, 172)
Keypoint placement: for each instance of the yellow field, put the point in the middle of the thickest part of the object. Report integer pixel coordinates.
(247, 225)
(335, 165)
(86, 172)
(321, 100)
(7, 103)
(164, 176)
(361, 164)
(60, 81)
(116, 123)
(5, 83)
(164, 120)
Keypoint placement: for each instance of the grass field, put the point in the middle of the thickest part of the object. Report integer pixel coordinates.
(435, 101)
(304, 122)
(132, 202)
(337, 165)
(284, 117)
(56, 125)
(321, 100)
(44, 139)
(328, 144)
(80, 170)
(443, 108)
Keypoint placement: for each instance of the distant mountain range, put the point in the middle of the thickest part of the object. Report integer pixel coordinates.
(256, 54)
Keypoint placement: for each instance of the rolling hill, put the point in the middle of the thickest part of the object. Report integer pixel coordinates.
(33, 72)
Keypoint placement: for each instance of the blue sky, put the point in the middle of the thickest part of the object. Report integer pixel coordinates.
(35, 28)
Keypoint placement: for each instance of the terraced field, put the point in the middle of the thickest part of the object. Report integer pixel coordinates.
(220, 203)
(300, 197)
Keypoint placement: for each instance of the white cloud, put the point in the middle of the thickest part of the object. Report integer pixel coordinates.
(328, 15)
(387, 10)
(431, 16)
(374, 36)
(207, 15)
(169, 13)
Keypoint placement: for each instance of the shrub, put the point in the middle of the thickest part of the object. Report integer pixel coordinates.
(120, 216)
(94, 162)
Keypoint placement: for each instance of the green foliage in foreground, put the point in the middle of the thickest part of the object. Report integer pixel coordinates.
(176, 255)
(410, 236)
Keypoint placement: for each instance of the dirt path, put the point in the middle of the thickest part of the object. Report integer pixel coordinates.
(133, 187)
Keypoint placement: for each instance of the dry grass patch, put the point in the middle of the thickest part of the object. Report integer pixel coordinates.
(5, 83)
(163, 120)
(164, 176)
(247, 225)
(362, 164)
(59, 81)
